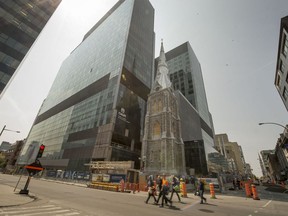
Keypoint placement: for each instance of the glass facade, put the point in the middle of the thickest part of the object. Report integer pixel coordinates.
(95, 108)
(21, 23)
(186, 76)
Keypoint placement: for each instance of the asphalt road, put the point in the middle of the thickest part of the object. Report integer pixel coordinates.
(61, 199)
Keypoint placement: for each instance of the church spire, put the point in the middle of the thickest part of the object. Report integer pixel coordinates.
(162, 80)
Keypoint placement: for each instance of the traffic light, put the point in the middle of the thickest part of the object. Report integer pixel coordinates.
(40, 152)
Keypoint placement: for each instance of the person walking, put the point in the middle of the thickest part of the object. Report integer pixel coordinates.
(163, 193)
(159, 187)
(151, 190)
(175, 187)
(201, 190)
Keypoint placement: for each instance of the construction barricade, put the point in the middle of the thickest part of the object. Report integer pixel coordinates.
(254, 192)
(104, 186)
(212, 191)
(183, 189)
(247, 189)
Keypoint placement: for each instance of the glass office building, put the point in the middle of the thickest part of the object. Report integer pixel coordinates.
(21, 23)
(96, 106)
(196, 121)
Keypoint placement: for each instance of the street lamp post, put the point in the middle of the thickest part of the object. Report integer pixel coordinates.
(261, 123)
(4, 128)
(285, 134)
(285, 127)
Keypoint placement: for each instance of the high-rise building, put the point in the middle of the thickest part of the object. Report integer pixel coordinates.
(186, 76)
(281, 75)
(232, 151)
(21, 23)
(96, 106)
(265, 167)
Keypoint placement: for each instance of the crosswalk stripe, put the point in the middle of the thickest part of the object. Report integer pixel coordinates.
(38, 210)
(68, 214)
(30, 210)
(41, 213)
(32, 207)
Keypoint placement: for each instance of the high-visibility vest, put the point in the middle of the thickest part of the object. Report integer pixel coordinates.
(164, 182)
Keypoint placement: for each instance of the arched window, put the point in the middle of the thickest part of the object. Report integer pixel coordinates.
(174, 129)
(154, 106)
(156, 130)
(160, 105)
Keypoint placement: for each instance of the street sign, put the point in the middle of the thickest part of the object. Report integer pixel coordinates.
(34, 168)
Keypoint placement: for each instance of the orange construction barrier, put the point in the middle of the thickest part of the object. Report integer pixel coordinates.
(247, 189)
(254, 191)
(183, 189)
(212, 191)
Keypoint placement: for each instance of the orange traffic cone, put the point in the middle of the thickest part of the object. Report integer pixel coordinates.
(254, 191)
(247, 189)
(212, 191)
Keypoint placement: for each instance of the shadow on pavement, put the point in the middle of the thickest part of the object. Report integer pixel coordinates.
(206, 210)
(174, 208)
(209, 204)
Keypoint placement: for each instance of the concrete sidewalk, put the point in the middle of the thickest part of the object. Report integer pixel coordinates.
(10, 198)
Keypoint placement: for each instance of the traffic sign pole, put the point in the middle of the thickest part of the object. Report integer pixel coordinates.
(32, 170)
(25, 191)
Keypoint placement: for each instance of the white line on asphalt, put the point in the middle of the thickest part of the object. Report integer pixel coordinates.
(189, 206)
(267, 203)
(16, 211)
(52, 212)
(68, 214)
(256, 211)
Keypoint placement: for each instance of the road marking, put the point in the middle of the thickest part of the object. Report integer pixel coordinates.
(41, 213)
(38, 210)
(189, 206)
(68, 214)
(256, 211)
(267, 204)
(15, 210)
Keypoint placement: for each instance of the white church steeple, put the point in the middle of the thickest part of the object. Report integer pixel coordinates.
(162, 80)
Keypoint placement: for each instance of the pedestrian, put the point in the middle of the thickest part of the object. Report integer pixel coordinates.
(201, 190)
(159, 187)
(122, 185)
(151, 189)
(159, 183)
(235, 183)
(175, 187)
(163, 193)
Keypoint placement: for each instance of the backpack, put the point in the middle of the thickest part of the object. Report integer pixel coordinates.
(165, 189)
(177, 182)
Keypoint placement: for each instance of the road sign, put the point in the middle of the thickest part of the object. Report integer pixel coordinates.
(34, 168)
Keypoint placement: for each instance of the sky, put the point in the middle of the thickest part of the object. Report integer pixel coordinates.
(235, 42)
